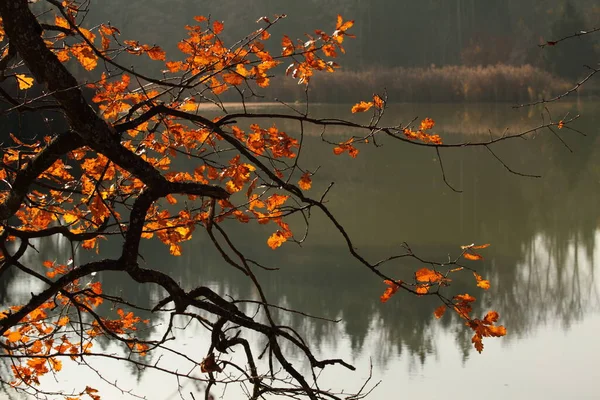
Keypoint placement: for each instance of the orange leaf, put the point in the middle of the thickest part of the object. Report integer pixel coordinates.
(275, 201)
(422, 289)
(426, 124)
(14, 336)
(61, 22)
(362, 107)
(481, 246)
(439, 312)
(472, 256)
(428, 275)
(156, 53)
(491, 317)
(305, 182)
(171, 199)
(391, 290)
(56, 364)
(86, 56)
(276, 240)
(476, 340)
(343, 26)
(24, 81)
(233, 78)
(378, 101)
(63, 321)
(217, 27)
(329, 50)
(174, 66)
(175, 249)
(482, 283)
(288, 46)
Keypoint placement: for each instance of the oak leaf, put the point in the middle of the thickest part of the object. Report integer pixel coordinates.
(378, 101)
(233, 78)
(426, 124)
(13, 336)
(482, 283)
(422, 289)
(391, 290)
(217, 27)
(24, 81)
(439, 312)
(305, 182)
(473, 256)
(209, 364)
(428, 275)
(156, 53)
(361, 107)
(276, 240)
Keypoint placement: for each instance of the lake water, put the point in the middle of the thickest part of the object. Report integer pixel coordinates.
(541, 264)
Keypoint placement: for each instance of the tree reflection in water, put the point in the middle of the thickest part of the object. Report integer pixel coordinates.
(541, 264)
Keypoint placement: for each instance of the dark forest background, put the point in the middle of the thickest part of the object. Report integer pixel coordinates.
(390, 33)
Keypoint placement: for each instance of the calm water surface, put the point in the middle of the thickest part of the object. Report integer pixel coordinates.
(541, 265)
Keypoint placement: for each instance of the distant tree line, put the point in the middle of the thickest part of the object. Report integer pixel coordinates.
(391, 33)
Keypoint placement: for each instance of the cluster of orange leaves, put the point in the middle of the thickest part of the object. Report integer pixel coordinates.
(421, 133)
(44, 333)
(425, 278)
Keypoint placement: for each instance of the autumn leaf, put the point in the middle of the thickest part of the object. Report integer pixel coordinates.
(482, 283)
(156, 53)
(472, 256)
(61, 22)
(378, 101)
(276, 240)
(439, 312)
(481, 246)
(175, 249)
(346, 146)
(426, 124)
(485, 328)
(422, 289)
(218, 27)
(13, 336)
(391, 290)
(86, 56)
(276, 200)
(428, 275)
(63, 321)
(288, 46)
(343, 26)
(329, 50)
(56, 364)
(491, 317)
(467, 298)
(24, 81)
(305, 182)
(209, 364)
(233, 78)
(561, 124)
(361, 107)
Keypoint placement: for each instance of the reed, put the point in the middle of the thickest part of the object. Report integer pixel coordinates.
(496, 83)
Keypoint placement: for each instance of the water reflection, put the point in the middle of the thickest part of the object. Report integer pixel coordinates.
(544, 235)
